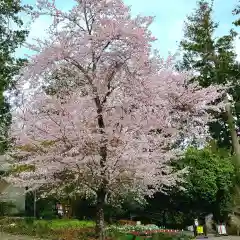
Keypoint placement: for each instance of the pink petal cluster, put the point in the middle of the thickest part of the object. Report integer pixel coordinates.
(118, 108)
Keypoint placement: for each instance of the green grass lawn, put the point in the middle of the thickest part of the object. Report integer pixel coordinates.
(65, 223)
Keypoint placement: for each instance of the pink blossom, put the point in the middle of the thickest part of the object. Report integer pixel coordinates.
(112, 95)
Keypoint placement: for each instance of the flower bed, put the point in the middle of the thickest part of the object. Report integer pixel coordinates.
(140, 228)
(151, 232)
(147, 231)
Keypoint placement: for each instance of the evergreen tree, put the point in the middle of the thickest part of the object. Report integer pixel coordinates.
(11, 37)
(212, 58)
(236, 11)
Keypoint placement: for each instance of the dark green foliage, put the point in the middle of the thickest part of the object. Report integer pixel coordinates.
(163, 236)
(155, 236)
(45, 207)
(214, 58)
(208, 189)
(210, 182)
(10, 39)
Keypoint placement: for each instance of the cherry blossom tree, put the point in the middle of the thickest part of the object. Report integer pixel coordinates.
(102, 110)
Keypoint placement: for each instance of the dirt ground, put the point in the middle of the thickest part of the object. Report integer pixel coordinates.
(5, 236)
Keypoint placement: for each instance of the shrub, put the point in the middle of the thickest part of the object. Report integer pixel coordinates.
(233, 227)
(166, 236)
(65, 223)
(55, 229)
(156, 236)
(161, 236)
(73, 234)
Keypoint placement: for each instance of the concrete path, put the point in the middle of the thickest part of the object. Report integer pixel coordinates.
(213, 237)
(5, 236)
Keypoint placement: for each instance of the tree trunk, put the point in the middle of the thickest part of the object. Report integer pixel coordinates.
(100, 229)
(234, 137)
(101, 194)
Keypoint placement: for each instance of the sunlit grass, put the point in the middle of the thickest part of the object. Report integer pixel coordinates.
(65, 223)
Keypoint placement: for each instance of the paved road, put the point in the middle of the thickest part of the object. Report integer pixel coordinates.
(225, 238)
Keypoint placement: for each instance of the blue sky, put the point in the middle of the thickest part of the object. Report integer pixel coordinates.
(169, 18)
